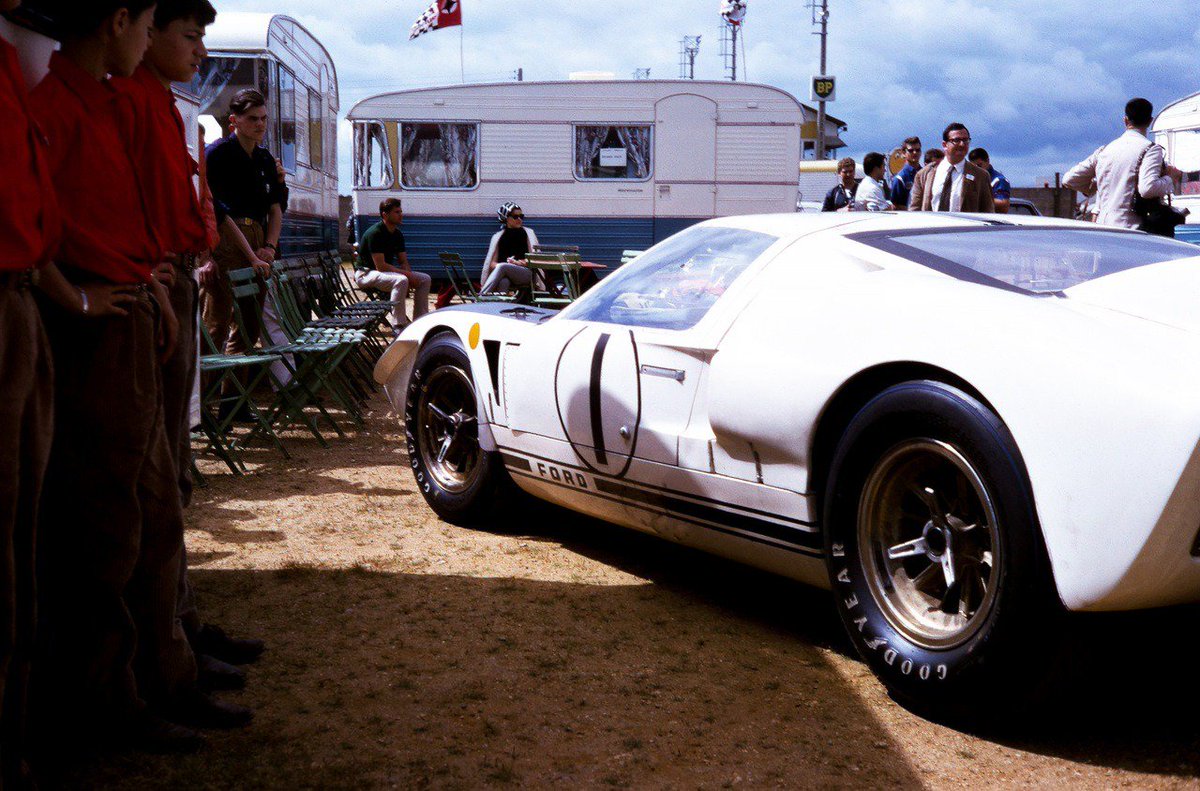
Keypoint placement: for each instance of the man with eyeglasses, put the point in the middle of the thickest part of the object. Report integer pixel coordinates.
(954, 184)
(902, 182)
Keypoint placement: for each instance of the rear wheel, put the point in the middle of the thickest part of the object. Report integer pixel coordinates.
(459, 479)
(935, 553)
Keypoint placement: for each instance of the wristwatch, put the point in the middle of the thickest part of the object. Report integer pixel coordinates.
(271, 245)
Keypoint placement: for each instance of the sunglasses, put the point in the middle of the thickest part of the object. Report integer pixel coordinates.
(516, 216)
(959, 141)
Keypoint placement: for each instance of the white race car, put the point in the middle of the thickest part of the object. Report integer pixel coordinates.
(965, 425)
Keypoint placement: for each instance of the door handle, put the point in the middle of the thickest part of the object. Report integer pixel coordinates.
(666, 373)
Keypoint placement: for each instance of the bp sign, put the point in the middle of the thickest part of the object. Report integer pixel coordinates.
(824, 88)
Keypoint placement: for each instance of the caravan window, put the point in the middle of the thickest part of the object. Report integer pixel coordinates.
(439, 156)
(372, 156)
(1184, 153)
(287, 119)
(613, 152)
(316, 141)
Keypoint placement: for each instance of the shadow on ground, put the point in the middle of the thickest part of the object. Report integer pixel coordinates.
(379, 679)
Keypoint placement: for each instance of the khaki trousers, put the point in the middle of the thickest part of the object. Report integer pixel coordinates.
(179, 374)
(111, 529)
(217, 304)
(26, 428)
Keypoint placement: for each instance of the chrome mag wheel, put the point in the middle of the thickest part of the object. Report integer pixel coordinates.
(930, 542)
(447, 428)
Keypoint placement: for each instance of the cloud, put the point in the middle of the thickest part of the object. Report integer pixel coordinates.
(1040, 84)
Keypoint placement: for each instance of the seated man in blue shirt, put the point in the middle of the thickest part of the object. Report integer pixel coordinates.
(903, 180)
(1001, 189)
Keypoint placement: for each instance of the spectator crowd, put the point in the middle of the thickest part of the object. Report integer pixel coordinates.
(114, 243)
(1128, 177)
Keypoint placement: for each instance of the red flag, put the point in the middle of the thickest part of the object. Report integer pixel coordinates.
(440, 14)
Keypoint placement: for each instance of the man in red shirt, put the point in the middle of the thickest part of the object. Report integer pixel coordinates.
(29, 230)
(111, 529)
(167, 171)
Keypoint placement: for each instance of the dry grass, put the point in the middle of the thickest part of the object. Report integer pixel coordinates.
(404, 652)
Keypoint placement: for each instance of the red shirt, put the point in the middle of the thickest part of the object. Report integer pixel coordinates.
(167, 169)
(30, 225)
(89, 128)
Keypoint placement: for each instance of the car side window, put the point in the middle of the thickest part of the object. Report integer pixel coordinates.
(675, 283)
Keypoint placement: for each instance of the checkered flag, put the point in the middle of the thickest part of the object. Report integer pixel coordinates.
(440, 14)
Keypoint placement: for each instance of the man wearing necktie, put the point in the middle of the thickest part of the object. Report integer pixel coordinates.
(954, 184)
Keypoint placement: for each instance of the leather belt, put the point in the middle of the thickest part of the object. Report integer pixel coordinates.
(187, 261)
(247, 221)
(21, 281)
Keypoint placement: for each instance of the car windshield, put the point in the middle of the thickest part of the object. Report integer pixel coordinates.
(1028, 259)
(673, 285)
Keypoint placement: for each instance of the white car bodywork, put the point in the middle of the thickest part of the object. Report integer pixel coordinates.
(711, 436)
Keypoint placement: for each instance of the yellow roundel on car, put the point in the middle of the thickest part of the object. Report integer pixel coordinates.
(473, 336)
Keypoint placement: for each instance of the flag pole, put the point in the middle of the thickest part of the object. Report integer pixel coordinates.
(462, 69)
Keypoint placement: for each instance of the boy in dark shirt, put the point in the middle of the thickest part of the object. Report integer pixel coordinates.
(249, 196)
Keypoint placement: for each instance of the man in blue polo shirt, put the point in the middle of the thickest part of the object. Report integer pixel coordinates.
(903, 180)
(1001, 189)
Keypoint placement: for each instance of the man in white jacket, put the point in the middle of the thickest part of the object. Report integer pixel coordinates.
(1129, 163)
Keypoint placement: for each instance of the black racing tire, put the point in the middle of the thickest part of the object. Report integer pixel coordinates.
(958, 616)
(460, 480)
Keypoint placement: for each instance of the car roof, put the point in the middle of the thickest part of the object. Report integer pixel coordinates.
(842, 223)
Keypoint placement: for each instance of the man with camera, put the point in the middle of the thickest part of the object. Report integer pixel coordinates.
(1129, 177)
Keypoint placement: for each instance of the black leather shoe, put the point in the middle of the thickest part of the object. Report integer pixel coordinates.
(213, 641)
(214, 675)
(203, 711)
(149, 733)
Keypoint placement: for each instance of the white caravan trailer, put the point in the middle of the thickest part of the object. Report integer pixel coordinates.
(276, 55)
(608, 165)
(1177, 130)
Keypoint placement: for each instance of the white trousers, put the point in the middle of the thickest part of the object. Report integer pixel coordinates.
(398, 284)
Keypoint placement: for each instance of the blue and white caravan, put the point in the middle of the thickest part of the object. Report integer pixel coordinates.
(276, 55)
(608, 165)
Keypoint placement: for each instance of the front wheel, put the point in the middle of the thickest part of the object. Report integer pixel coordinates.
(935, 555)
(459, 479)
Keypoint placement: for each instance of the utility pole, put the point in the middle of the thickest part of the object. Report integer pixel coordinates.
(821, 17)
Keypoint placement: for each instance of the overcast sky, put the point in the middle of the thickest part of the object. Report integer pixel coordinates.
(1040, 83)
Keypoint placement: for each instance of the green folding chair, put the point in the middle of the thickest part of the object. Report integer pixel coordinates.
(309, 364)
(566, 265)
(224, 395)
(462, 284)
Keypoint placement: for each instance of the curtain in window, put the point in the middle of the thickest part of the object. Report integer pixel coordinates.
(439, 155)
(588, 142)
(590, 139)
(636, 140)
(372, 160)
(217, 74)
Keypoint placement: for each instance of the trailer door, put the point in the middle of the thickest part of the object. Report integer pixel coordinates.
(685, 161)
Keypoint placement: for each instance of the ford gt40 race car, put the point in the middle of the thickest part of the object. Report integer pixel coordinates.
(965, 426)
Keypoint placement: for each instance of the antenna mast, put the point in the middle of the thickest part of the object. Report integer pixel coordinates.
(689, 46)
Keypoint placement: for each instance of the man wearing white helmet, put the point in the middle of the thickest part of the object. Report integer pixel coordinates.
(504, 268)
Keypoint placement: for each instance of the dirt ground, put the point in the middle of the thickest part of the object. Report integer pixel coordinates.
(560, 652)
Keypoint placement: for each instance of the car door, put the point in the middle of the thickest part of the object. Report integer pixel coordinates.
(625, 393)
